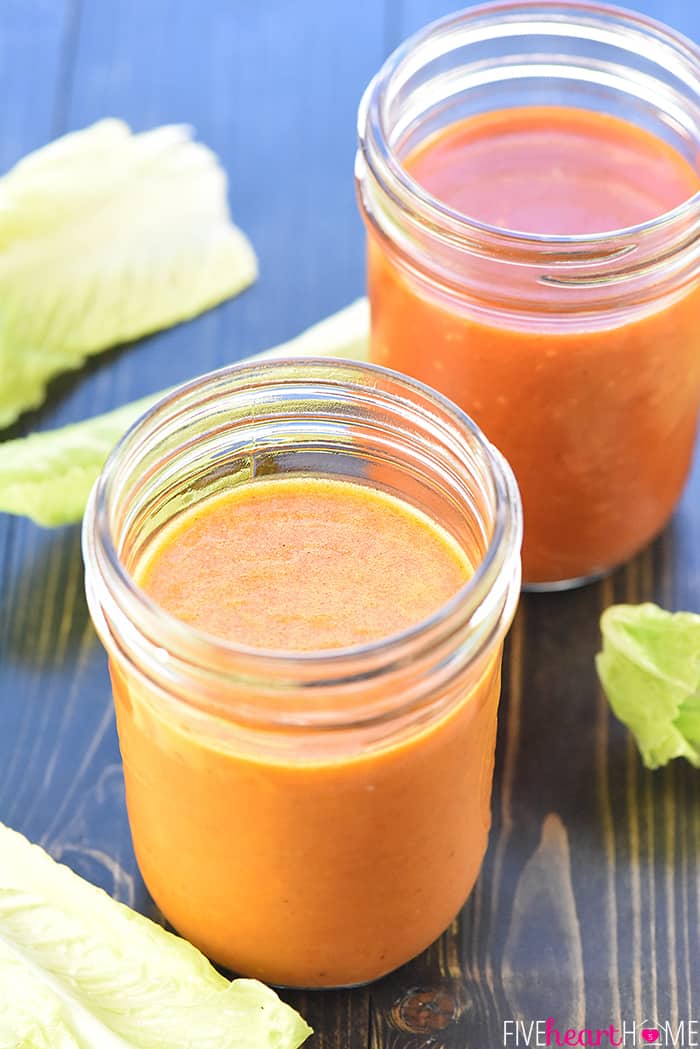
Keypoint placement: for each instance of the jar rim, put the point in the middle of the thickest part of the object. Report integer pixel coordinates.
(103, 563)
(459, 227)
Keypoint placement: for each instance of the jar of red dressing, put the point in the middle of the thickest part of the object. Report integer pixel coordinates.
(529, 178)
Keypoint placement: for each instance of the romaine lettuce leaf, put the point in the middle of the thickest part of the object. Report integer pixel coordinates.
(650, 670)
(78, 970)
(105, 236)
(48, 476)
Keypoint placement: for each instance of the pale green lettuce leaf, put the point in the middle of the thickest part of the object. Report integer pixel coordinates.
(48, 476)
(105, 236)
(650, 670)
(80, 971)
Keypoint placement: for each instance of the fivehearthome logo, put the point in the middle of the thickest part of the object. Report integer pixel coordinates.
(538, 1034)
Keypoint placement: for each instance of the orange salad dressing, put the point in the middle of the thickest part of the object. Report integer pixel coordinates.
(298, 868)
(597, 421)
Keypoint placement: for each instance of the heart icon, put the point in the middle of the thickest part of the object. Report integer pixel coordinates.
(650, 1034)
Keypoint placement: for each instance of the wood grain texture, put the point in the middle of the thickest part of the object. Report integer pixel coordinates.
(588, 907)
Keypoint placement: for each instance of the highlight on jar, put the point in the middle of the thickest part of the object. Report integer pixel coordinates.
(303, 572)
(528, 175)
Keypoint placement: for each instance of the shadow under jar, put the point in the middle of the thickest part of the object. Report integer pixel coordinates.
(310, 818)
(577, 350)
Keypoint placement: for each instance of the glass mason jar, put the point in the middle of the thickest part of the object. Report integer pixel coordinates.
(313, 818)
(579, 356)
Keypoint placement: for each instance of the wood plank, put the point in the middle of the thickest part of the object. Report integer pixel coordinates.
(411, 15)
(35, 55)
(33, 92)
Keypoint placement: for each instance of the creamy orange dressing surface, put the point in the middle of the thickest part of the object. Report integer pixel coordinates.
(302, 564)
(554, 170)
(298, 857)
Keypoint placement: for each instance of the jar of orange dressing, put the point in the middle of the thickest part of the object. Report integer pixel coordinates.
(528, 174)
(302, 573)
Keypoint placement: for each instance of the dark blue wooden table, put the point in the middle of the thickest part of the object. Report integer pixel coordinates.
(588, 908)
